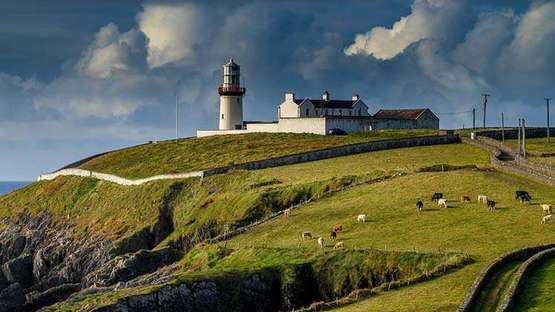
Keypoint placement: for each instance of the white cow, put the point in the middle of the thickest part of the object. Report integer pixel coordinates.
(321, 242)
(442, 202)
(361, 218)
(546, 208)
(482, 199)
(546, 219)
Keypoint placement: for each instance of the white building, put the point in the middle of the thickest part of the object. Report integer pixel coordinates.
(319, 116)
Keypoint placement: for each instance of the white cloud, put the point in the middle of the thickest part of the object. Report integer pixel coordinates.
(429, 19)
(532, 48)
(173, 30)
(112, 51)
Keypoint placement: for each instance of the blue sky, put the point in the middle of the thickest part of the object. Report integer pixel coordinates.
(77, 78)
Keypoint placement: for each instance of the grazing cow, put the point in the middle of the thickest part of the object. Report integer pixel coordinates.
(546, 208)
(287, 213)
(437, 196)
(523, 196)
(482, 199)
(491, 205)
(321, 242)
(419, 206)
(339, 245)
(338, 228)
(307, 235)
(442, 202)
(361, 218)
(546, 219)
(465, 199)
(333, 235)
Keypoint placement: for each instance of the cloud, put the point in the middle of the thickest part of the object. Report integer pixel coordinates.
(173, 31)
(532, 48)
(112, 51)
(485, 41)
(447, 74)
(429, 19)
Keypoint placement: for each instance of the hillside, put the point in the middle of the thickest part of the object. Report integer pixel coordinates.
(193, 154)
(131, 246)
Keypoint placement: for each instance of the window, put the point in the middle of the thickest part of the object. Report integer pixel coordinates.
(237, 100)
(307, 111)
(359, 111)
(222, 116)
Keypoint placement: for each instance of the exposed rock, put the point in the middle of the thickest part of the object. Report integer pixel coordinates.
(35, 300)
(129, 266)
(19, 270)
(11, 298)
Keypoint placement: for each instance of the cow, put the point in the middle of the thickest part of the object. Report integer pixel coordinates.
(442, 202)
(321, 242)
(361, 218)
(338, 228)
(546, 219)
(523, 196)
(287, 213)
(491, 205)
(339, 245)
(333, 235)
(437, 196)
(482, 199)
(465, 199)
(419, 206)
(306, 235)
(546, 208)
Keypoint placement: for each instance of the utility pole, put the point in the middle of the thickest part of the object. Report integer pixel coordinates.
(474, 119)
(503, 127)
(518, 134)
(485, 106)
(547, 100)
(177, 109)
(524, 137)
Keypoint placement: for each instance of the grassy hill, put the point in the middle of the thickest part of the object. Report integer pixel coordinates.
(200, 209)
(209, 152)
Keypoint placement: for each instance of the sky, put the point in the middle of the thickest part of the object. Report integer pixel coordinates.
(82, 77)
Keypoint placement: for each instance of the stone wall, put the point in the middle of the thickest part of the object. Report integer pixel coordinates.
(523, 272)
(494, 267)
(540, 172)
(512, 133)
(113, 178)
(337, 152)
(265, 163)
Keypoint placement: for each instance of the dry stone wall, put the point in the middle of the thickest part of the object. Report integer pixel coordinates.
(265, 163)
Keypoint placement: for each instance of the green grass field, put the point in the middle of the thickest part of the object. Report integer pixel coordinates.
(204, 153)
(394, 225)
(538, 289)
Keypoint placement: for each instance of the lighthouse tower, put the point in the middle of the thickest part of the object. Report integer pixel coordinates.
(231, 98)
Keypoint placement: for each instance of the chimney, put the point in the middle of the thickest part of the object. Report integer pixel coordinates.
(326, 96)
(290, 96)
(355, 97)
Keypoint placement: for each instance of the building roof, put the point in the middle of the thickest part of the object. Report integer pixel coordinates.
(329, 104)
(400, 113)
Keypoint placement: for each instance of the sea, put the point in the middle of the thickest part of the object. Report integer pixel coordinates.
(9, 186)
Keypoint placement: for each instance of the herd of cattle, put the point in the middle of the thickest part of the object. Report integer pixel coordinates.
(522, 196)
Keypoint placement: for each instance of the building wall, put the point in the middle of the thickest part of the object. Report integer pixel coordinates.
(288, 109)
(231, 112)
(354, 124)
(427, 121)
(380, 124)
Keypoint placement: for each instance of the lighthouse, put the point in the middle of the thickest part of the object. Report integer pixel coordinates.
(231, 98)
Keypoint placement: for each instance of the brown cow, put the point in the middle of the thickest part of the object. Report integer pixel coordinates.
(338, 228)
(465, 199)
